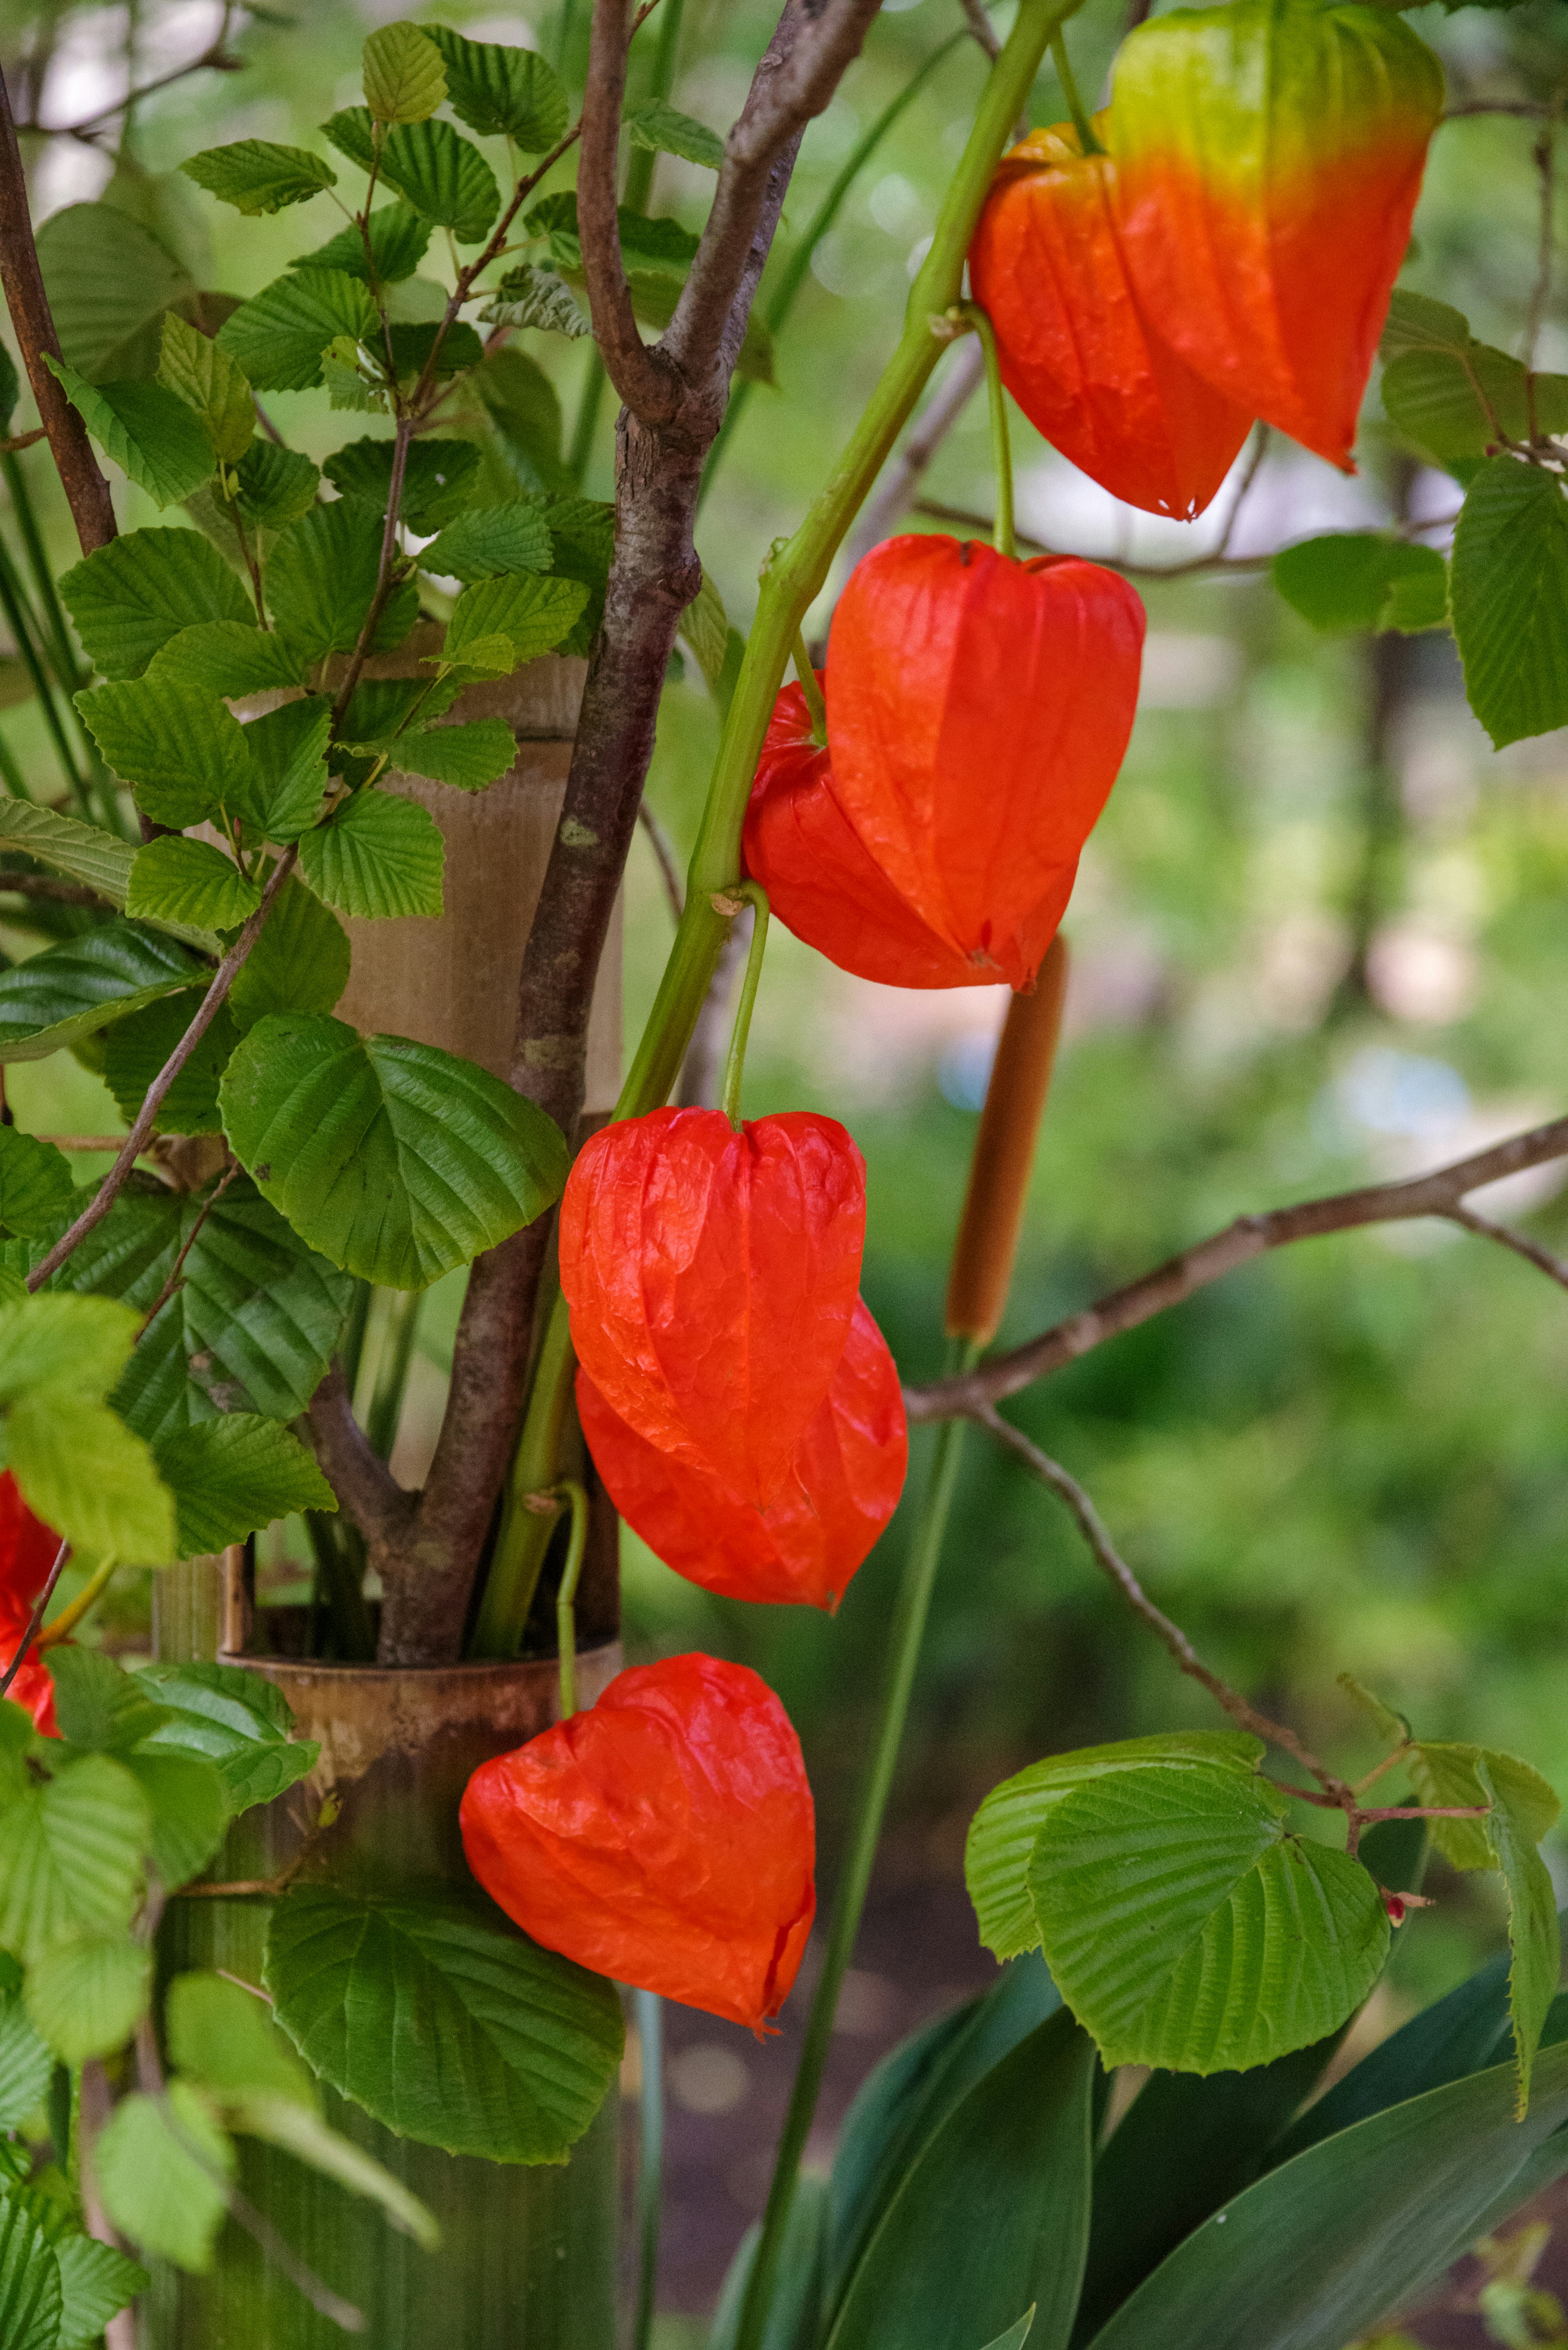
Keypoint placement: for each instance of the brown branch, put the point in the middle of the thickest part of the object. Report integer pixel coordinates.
(1531, 1250)
(979, 24)
(57, 893)
(173, 1281)
(214, 58)
(86, 490)
(1437, 1194)
(645, 378)
(137, 1140)
(884, 513)
(364, 1485)
(19, 440)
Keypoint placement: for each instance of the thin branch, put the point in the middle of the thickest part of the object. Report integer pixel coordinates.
(379, 1505)
(137, 1140)
(883, 514)
(1526, 108)
(92, 509)
(57, 893)
(214, 59)
(36, 1618)
(1531, 1250)
(1437, 1194)
(173, 1281)
(21, 441)
(646, 380)
(664, 852)
(984, 527)
(980, 25)
(1546, 173)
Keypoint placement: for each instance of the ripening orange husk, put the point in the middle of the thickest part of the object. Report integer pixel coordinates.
(1268, 155)
(1077, 352)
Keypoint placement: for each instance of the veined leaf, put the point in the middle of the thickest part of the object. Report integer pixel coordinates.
(279, 334)
(182, 880)
(657, 242)
(665, 131)
(100, 859)
(467, 757)
(36, 1184)
(1455, 404)
(299, 963)
(414, 346)
(85, 1995)
(275, 484)
(526, 408)
(230, 659)
(436, 481)
(526, 2043)
(397, 1161)
(25, 2062)
(1508, 595)
(179, 748)
(287, 773)
(489, 540)
(1350, 581)
(70, 1858)
(62, 1347)
(129, 598)
(84, 1473)
(432, 168)
(405, 80)
(399, 240)
(255, 175)
(193, 367)
(380, 855)
(1185, 1929)
(67, 993)
(31, 2301)
(239, 1721)
(108, 279)
(1417, 323)
(101, 1709)
(190, 1808)
(154, 2187)
(97, 2282)
(233, 1475)
(502, 92)
(531, 614)
(322, 576)
(583, 533)
(706, 628)
(1016, 2335)
(527, 296)
(150, 434)
(136, 1050)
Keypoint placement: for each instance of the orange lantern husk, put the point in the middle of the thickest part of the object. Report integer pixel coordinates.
(1268, 156)
(29, 1549)
(711, 1276)
(1077, 352)
(666, 1837)
(803, 1548)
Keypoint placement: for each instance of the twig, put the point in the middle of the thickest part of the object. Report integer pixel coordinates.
(1531, 1250)
(214, 57)
(645, 378)
(883, 513)
(21, 441)
(984, 527)
(1437, 1194)
(136, 1141)
(173, 1282)
(1546, 170)
(980, 25)
(1526, 108)
(36, 1619)
(379, 1506)
(663, 850)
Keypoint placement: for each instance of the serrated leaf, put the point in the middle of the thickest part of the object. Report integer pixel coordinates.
(380, 855)
(526, 408)
(80, 850)
(432, 168)
(275, 484)
(1005, 1829)
(1456, 403)
(321, 578)
(489, 540)
(152, 437)
(83, 1471)
(532, 613)
(136, 1050)
(526, 2045)
(1513, 1829)
(232, 1476)
(279, 334)
(706, 628)
(399, 241)
(397, 1161)
(527, 296)
(31, 2300)
(36, 1184)
(437, 479)
(658, 244)
(1350, 581)
(1445, 1772)
(654, 295)
(502, 92)
(256, 175)
(182, 880)
(62, 1347)
(299, 963)
(1187, 1929)
(468, 757)
(583, 532)
(26, 2063)
(96, 2281)
(1416, 323)
(190, 1808)
(380, 707)
(169, 2199)
(404, 79)
(129, 598)
(179, 750)
(289, 770)
(108, 278)
(64, 994)
(230, 659)
(70, 1858)
(85, 1995)
(193, 367)
(239, 1721)
(664, 130)
(413, 347)
(1509, 596)
(100, 1707)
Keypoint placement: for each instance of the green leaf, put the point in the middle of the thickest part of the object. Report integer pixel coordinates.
(239, 1721)
(178, 747)
(255, 175)
(322, 576)
(503, 92)
(1003, 1832)
(380, 855)
(26, 2063)
(654, 295)
(1351, 580)
(80, 850)
(10, 392)
(62, 1347)
(436, 482)
(63, 995)
(443, 177)
(129, 598)
(414, 342)
(31, 2300)
(299, 963)
(1532, 1929)
(794, 2321)
(1016, 2335)
(189, 1812)
(663, 130)
(397, 1161)
(468, 757)
(85, 1995)
(136, 1050)
(195, 370)
(1457, 403)
(36, 1184)
(527, 296)
(450, 2030)
(189, 881)
(582, 531)
(399, 241)
(232, 1476)
(150, 434)
(993, 2214)
(380, 707)
(101, 1709)
(108, 278)
(279, 334)
(706, 628)
(1508, 595)
(1444, 1773)
(97, 2282)
(526, 408)
(83, 1471)
(405, 80)
(287, 778)
(489, 540)
(162, 2166)
(651, 244)
(531, 614)
(70, 1858)
(230, 659)
(1416, 323)
(1187, 1929)
(275, 484)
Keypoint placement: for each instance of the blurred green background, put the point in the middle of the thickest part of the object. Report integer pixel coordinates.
(1318, 939)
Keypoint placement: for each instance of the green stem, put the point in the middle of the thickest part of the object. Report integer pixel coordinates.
(586, 425)
(1003, 537)
(648, 2011)
(524, 1537)
(905, 1636)
(15, 780)
(570, 1491)
(811, 689)
(351, 1353)
(393, 1372)
(340, 1588)
(756, 896)
(1087, 142)
(23, 626)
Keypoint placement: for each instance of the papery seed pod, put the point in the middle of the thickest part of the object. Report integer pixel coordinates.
(665, 1837)
(29, 1549)
(711, 1276)
(844, 1485)
(1268, 155)
(1078, 353)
